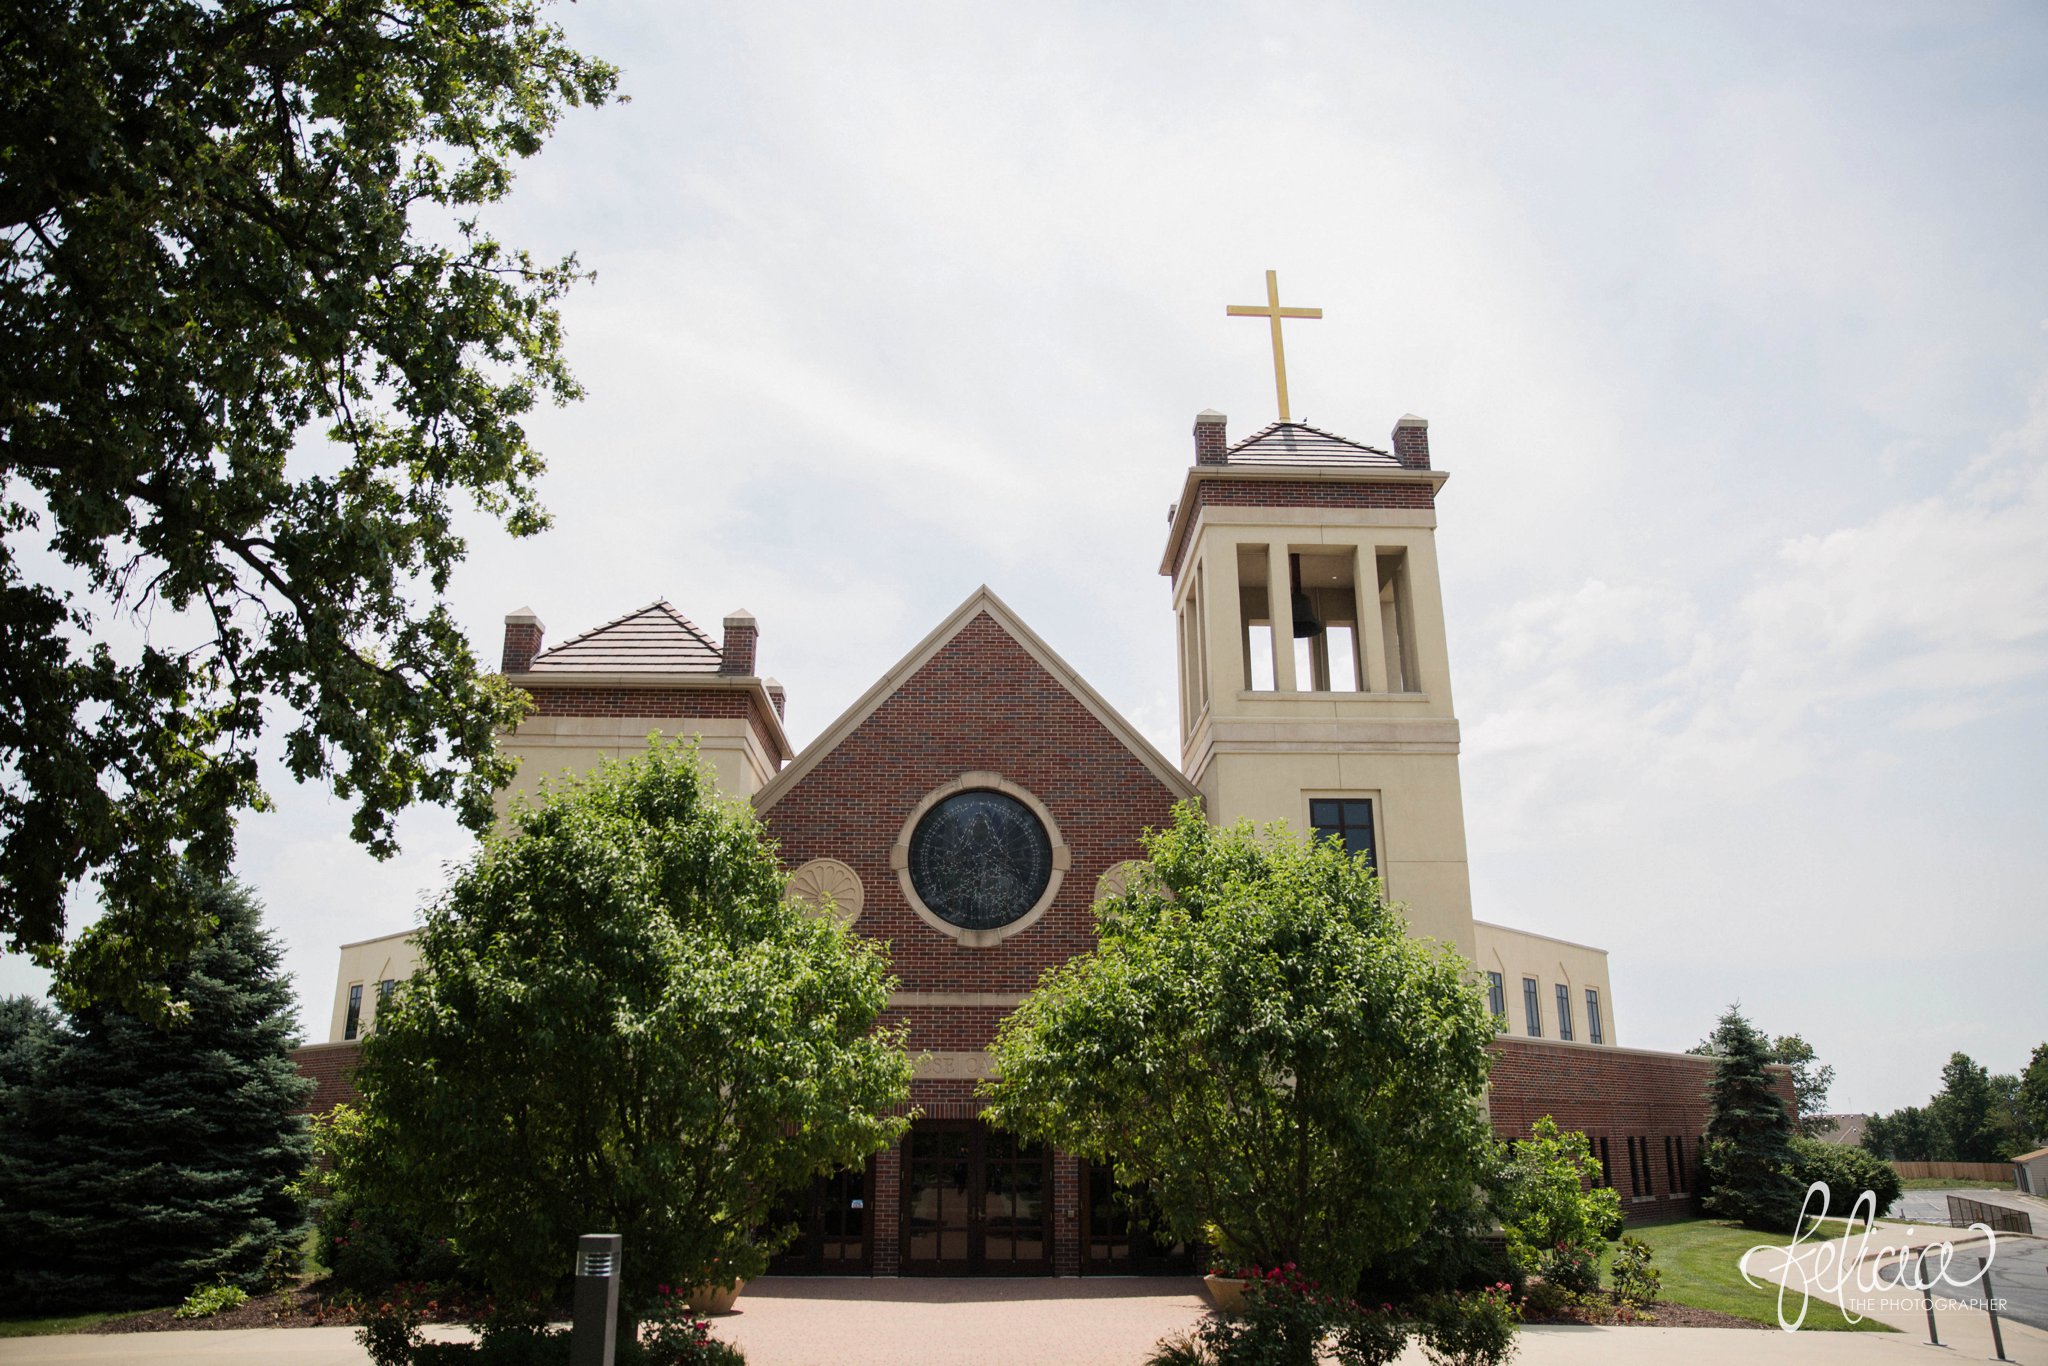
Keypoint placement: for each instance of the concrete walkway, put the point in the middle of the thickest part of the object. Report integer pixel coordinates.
(1094, 1322)
(1859, 1274)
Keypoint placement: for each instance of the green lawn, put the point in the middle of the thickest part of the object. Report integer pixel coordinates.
(1699, 1259)
(63, 1323)
(1945, 1183)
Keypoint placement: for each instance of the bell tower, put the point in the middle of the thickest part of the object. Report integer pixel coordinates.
(1315, 682)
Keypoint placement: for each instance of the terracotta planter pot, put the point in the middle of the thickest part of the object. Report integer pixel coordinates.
(1225, 1292)
(716, 1299)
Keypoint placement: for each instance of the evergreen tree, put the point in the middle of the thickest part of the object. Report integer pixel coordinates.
(1748, 1154)
(138, 1162)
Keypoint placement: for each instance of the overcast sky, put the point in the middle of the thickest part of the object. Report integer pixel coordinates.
(1731, 325)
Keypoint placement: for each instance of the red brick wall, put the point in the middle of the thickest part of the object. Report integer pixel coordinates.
(680, 703)
(1617, 1094)
(331, 1066)
(1291, 493)
(981, 703)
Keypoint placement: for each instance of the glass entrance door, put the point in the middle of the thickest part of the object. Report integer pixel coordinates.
(976, 1201)
(938, 1169)
(1120, 1230)
(831, 1218)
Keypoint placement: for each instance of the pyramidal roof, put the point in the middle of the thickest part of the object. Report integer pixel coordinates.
(1297, 443)
(654, 639)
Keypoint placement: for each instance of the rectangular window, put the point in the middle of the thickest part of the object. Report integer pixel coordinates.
(1397, 621)
(354, 1023)
(1606, 1164)
(1638, 1166)
(1497, 996)
(1255, 619)
(1674, 1165)
(1564, 1012)
(1532, 1008)
(1593, 1033)
(1348, 819)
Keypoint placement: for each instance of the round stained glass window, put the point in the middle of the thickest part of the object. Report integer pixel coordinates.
(980, 859)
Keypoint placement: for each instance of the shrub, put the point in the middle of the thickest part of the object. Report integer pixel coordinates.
(1636, 1282)
(1457, 1251)
(1572, 1268)
(1847, 1172)
(1546, 1198)
(1370, 1337)
(367, 1245)
(673, 1335)
(1287, 1321)
(209, 1300)
(1547, 1300)
(1470, 1330)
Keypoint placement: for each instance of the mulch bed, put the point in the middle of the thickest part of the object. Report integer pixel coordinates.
(1667, 1316)
(297, 1308)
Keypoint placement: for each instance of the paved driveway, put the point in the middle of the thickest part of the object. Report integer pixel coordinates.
(1931, 1207)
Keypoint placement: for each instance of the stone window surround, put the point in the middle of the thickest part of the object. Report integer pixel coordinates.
(979, 780)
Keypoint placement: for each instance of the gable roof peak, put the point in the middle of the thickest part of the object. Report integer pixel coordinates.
(982, 601)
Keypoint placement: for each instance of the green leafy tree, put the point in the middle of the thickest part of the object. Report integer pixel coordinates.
(1963, 1113)
(619, 1024)
(138, 1162)
(228, 229)
(1811, 1081)
(1257, 1039)
(1908, 1134)
(1549, 1198)
(2032, 1098)
(1747, 1158)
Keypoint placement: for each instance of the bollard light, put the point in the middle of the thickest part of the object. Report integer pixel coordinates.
(594, 1326)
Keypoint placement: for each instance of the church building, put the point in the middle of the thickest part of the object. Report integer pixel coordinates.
(972, 805)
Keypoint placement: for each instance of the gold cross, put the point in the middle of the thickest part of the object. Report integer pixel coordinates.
(1276, 313)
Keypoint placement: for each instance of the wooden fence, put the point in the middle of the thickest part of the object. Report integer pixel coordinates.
(1991, 1173)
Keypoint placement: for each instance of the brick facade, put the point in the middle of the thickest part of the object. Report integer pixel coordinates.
(1294, 493)
(982, 703)
(584, 699)
(332, 1067)
(1650, 1109)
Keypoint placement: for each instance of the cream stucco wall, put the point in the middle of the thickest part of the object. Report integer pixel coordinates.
(365, 963)
(551, 747)
(1263, 755)
(1516, 954)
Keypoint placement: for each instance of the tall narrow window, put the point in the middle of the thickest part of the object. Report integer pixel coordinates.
(1532, 1008)
(1327, 661)
(1606, 1164)
(1397, 621)
(1347, 820)
(1593, 1031)
(1255, 619)
(1674, 1164)
(354, 1023)
(1497, 996)
(1564, 1012)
